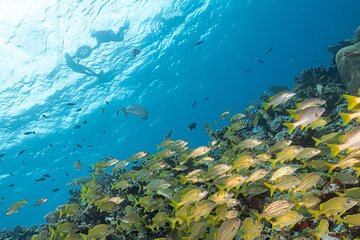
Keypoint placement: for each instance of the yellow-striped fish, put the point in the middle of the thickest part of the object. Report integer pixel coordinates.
(288, 219)
(234, 181)
(275, 209)
(307, 182)
(350, 141)
(287, 154)
(287, 170)
(283, 183)
(307, 153)
(334, 206)
(307, 202)
(318, 123)
(348, 162)
(228, 229)
(277, 99)
(257, 175)
(280, 146)
(245, 161)
(352, 220)
(328, 138)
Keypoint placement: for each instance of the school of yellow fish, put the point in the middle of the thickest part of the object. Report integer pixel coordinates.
(234, 187)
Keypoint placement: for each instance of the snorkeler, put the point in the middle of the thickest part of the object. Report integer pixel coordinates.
(105, 36)
(77, 67)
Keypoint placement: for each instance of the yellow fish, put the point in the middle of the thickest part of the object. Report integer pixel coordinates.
(288, 219)
(287, 170)
(347, 117)
(352, 220)
(305, 117)
(283, 183)
(353, 101)
(307, 182)
(318, 123)
(336, 205)
(257, 175)
(350, 141)
(348, 162)
(251, 229)
(280, 146)
(275, 209)
(245, 161)
(200, 151)
(228, 229)
(287, 154)
(328, 138)
(322, 229)
(308, 201)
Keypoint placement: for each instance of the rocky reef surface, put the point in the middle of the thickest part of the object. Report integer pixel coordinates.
(181, 193)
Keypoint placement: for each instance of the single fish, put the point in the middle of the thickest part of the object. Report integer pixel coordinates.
(251, 229)
(70, 104)
(248, 71)
(275, 209)
(228, 229)
(283, 183)
(269, 51)
(199, 42)
(192, 126)
(307, 182)
(347, 117)
(351, 140)
(30, 132)
(280, 146)
(78, 145)
(2, 155)
(328, 138)
(14, 208)
(44, 116)
(194, 104)
(334, 206)
(288, 219)
(40, 179)
(206, 98)
(287, 170)
(47, 175)
(322, 229)
(78, 165)
(40, 202)
(135, 52)
(277, 99)
(310, 102)
(11, 185)
(21, 152)
(260, 60)
(55, 190)
(305, 117)
(351, 220)
(136, 110)
(168, 135)
(77, 126)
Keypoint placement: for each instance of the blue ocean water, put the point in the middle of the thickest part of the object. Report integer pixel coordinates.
(167, 77)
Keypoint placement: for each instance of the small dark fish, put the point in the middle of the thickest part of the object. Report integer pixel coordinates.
(40, 179)
(260, 60)
(2, 198)
(104, 132)
(102, 110)
(107, 103)
(83, 139)
(206, 98)
(12, 185)
(78, 110)
(44, 116)
(78, 145)
(74, 149)
(21, 152)
(277, 89)
(23, 162)
(192, 126)
(47, 175)
(53, 180)
(64, 147)
(71, 104)
(306, 29)
(168, 134)
(2, 155)
(135, 52)
(85, 122)
(11, 174)
(50, 145)
(199, 42)
(194, 104)
(55, 190)
(269, 51)
(248, 71)
(89, 145)
(67, 174)
(30, 132)
(77, 127)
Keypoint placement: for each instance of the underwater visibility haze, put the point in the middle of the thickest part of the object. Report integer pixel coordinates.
(84, 80)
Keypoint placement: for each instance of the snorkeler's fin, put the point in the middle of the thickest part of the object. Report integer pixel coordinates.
(126, 113)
